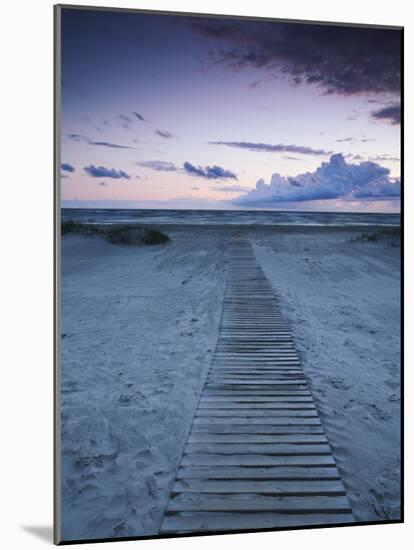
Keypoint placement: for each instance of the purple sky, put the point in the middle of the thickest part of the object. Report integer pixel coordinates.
(180, 112)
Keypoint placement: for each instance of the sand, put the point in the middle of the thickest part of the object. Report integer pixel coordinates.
(139, 327)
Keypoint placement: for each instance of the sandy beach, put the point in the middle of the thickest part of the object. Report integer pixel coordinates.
(139, 327)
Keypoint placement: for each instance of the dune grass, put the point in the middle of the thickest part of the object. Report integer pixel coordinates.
(378, 234)
(130, 235)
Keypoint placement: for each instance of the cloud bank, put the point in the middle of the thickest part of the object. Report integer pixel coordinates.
(109, 144)
(391, 114)
(332, 180)
(339, 60)
(83, 139)
(269, 148)
(102, 172)
(209, 172)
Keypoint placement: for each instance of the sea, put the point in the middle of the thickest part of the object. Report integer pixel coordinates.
(227, 217)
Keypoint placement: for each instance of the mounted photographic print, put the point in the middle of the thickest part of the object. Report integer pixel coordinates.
(228, 264)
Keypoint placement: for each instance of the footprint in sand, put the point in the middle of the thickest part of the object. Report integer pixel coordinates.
(393, 384)
(383, 498)
(379, 413)
(125, 399)
(338, 383)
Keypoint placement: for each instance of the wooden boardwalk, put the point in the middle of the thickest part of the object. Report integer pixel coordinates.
(257, 456)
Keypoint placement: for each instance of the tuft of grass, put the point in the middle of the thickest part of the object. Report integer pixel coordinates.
(377, 235)
(129, 235)
(71, 226)
(153, 236)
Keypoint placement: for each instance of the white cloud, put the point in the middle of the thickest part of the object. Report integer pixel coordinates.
(333, 179)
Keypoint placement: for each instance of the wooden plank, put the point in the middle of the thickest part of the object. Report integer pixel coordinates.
(277, 360)
(249, 413)
(238, 353)
(249, 399)
(246, 370)
(278, 449)
(250, 421)
(246, 502)
(249, 333)
(248, 336)
(265, 371)
(268, 381)
(275, 488)
(202, 522)
(276, 381)
(256, 472)
(256, 371)
(260, 392)
(259, 365)
(207, 405)
(241, 359)
(207, 459)
(273, 350)
(196, 437)
(255, 339)
(257, 380)
(257, 357)
(278, 353)
(255, 428)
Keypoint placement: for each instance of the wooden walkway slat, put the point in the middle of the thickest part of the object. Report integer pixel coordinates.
(257, 456)
(246, 502)
(257, 438)
(290, 449)
(204, 522)
(258, 472)
(280, 487)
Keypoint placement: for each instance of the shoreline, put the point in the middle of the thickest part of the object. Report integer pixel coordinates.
(265, 228)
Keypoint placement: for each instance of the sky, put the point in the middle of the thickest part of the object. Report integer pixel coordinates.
(162, 111)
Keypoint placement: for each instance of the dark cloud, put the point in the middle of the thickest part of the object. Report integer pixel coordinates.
(340, 60)
(158, 165)
(391, 114)
(268, 148)
(102, 172)
(110, 145)
(102, 183)
(209, 172)
(67, 167)
(332, 180)
(139, 117)
(164, 134)
(79, 138)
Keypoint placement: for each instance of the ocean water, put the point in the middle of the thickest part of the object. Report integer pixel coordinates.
(231, 217)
